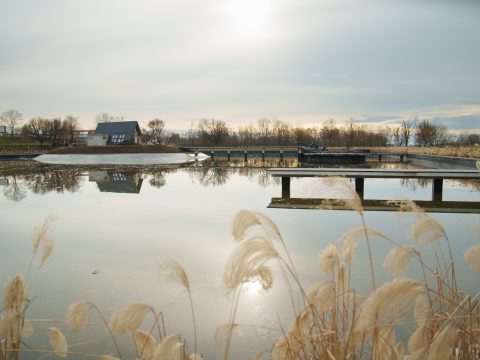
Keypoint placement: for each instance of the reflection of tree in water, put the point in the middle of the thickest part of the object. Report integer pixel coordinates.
(211, 176)
(157, 179)
(414, 184)
(53, 180)
(14, 191)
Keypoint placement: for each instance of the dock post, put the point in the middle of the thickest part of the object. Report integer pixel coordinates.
(380, 157)
(285, 187)
(401, 158)
(299, 155)
(360, 186)
(228, 155)
(196, 155)
(263, 154)
(212, 154)
(437, 189)
(281, 155)
(245, 154)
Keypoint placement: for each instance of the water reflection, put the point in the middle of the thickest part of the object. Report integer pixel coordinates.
(21, 177)
(117, 182)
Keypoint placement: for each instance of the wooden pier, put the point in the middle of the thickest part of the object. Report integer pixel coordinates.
(360, 175)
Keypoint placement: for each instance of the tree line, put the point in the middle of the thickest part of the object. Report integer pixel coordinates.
(263, 132)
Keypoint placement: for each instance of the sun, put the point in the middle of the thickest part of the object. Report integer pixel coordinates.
(249, 21)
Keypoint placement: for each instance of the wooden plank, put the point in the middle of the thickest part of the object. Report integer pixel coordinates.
(375, 173)
(464, 207)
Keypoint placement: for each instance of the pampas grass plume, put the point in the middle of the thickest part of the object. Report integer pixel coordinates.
(107, 357)
(76, 316)
(48, 246)
(397, 259)
(426, 230)
(388, 302)
(41, 233)
(418, 339)
(175, 272)
(244, 220)
(322, 295)
(443, 344)
(328, 259)
(58, 342)
(15, 292)
(145, 344)
(472, 257)
(128, 318)
(348, 240)
(247, 262)
(170, 348)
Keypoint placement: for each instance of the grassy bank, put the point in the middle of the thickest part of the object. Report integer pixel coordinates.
(460, 151)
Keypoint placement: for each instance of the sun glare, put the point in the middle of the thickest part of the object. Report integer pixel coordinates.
(253, 287)
(249, 20)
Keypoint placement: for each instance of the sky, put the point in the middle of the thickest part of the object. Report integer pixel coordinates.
(301, 61)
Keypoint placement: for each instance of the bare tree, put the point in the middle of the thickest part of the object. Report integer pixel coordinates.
(106, 117)
(38, 128)
(408, 128)
(11, 118)
(68, 129)
(264, 129)
(156, 127)
(213, 131)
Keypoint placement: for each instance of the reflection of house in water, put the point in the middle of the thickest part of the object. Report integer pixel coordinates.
(118, 182)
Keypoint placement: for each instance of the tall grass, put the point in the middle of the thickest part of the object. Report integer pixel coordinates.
(332, 320)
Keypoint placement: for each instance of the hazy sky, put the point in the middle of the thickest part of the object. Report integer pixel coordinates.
(302, 61)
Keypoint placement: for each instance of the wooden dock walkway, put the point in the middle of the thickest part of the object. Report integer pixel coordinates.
(437, 176)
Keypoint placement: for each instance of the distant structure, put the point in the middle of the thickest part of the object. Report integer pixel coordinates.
(3, 130)
(117, 182)
(115, 133)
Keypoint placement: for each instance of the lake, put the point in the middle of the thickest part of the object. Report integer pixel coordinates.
(115, 226)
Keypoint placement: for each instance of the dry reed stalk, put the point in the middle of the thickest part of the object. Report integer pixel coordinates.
(397, 260)
(175, 271)
(107, 357)
(48, 246)
(472, 257)
(40, 233)
(418, 339)
(58, 342)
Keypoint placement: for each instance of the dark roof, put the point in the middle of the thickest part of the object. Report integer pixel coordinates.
(118, 132)
(121, 183)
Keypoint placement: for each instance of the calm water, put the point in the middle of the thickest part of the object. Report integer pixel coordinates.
(114, 227)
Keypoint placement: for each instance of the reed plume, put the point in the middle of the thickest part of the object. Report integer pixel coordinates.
(76, 316)
(48, 246)
(170, 348)
(15, 293)
(322, 295)
(328, 259)
(175, 272)
(397, 260)
(128, 318)
(443, 344)
(107, 357)
(387, 303)
(247, 262)
(426, 230)
(40, 233)
(348, 241)
(244, 220)
(345, 188)
(145, 344)
(418, 339)
(58, 342)
(472, 257)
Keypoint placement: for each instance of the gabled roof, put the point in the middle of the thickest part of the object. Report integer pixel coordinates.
(118, 132)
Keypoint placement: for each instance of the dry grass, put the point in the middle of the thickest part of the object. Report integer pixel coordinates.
(455, 151)
(332, 320)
